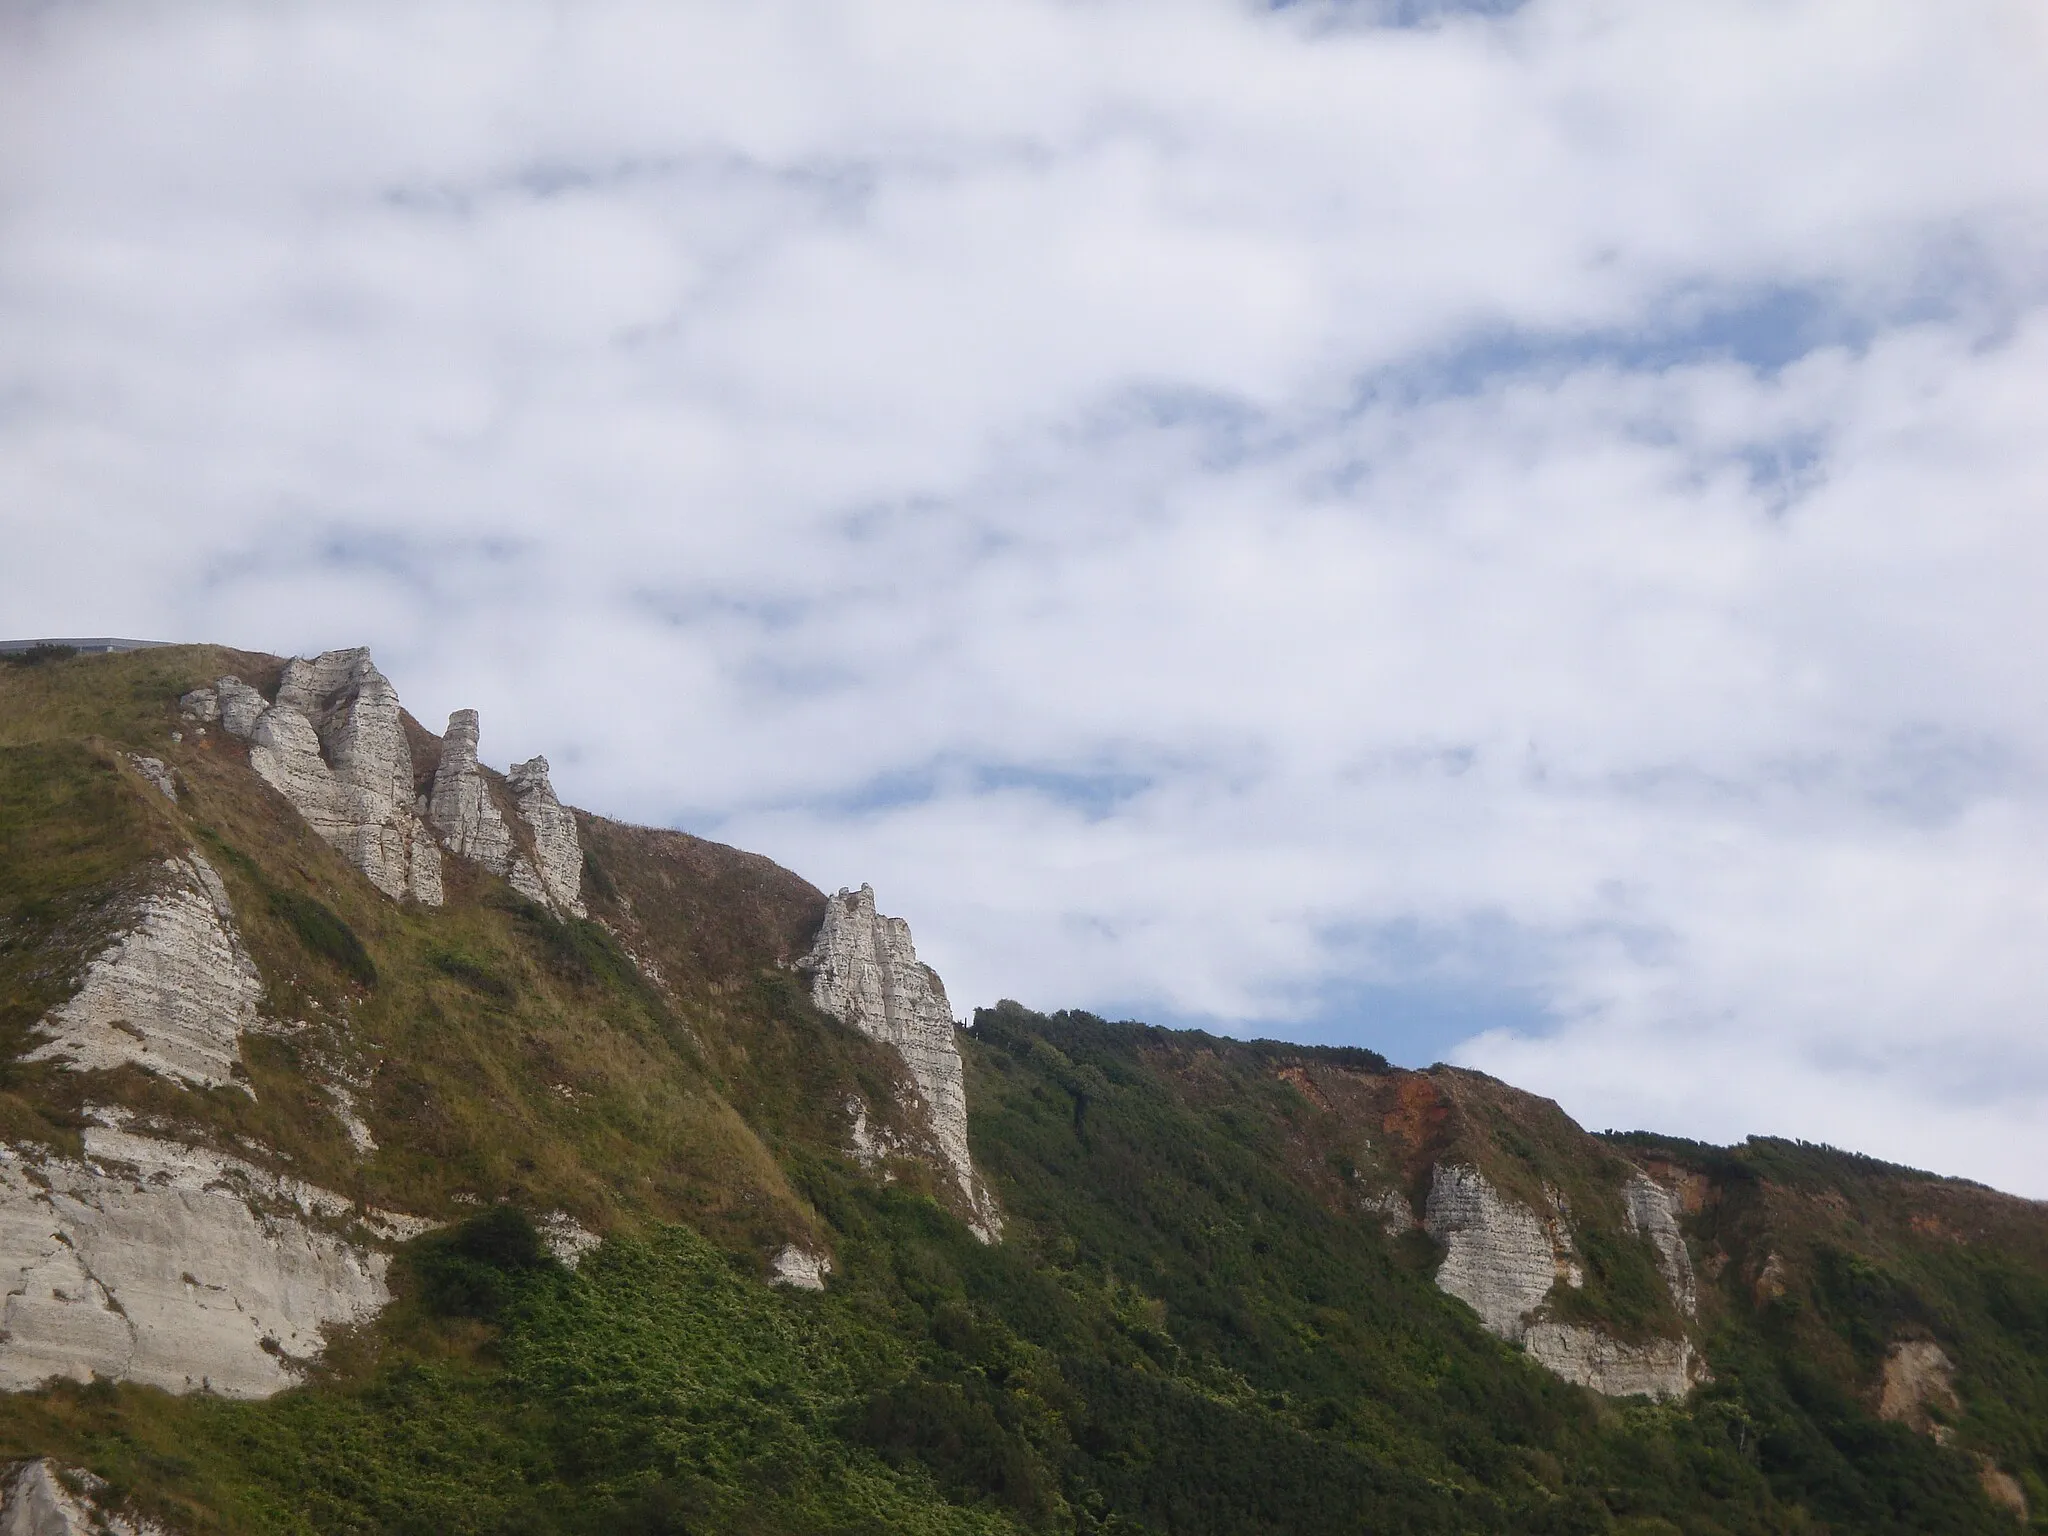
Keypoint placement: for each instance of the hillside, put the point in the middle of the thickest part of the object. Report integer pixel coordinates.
(388, 1147)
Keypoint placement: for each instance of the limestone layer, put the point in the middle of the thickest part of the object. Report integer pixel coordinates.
(1660, 1368)
(557, 852)
(1501, 1259)
(35, 1502)
(1651, 1211)
(334, 745)
(865, 973)
(172, 994)
(465, 813)
(173, 1266)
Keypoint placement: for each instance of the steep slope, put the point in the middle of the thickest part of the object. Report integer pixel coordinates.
(328, 1050)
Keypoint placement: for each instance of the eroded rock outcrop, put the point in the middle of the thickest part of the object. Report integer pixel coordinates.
(1588, 1357)
(172, 994)
(1502, 1259)
(800, 1269)
(465, 813)
(173, 1266)
(557, 852)
(35, 1501)
(1653, 1212)
(1499, 1260)
(333, 744)
(865, 973)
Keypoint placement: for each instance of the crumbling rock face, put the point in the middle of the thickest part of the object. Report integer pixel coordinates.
(158, 773)
(1660, 1368)
(467, 817)
(333, 744)
(173, 1266)
(172, 994)
(1651, 1211)
(557, 852)
(36, 1502)
(865, 973)
(1917, 1374)
(1500, 1261)
(800, 1269)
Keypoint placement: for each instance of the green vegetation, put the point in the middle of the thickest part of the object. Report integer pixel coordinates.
(1196, 1322)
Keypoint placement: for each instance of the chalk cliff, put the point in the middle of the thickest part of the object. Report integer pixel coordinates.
(175, 1266)
(1502, 1260)
(865, 973)
(557, 853)
(172, 994)
(333, 744)
(463, 810)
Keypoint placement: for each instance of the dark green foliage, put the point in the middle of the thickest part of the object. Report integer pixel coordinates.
(325, 934)
(476, 1269)
(473, 973)
(36, 655)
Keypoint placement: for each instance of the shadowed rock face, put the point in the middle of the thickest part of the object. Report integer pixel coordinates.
(173, 994)
(865, 973)
(173, 1266)
(333, 744)
(1502, 1259)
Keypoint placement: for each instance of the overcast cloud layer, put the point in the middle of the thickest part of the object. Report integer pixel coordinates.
(1511, 537)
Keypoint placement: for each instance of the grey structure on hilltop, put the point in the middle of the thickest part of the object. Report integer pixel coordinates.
(865, 973)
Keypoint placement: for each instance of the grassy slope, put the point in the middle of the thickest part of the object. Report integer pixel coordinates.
(1194, 1326)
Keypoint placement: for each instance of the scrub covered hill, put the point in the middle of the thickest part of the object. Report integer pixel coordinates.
(1239, 1286)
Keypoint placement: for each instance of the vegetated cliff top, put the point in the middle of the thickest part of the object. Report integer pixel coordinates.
(1214, 1308)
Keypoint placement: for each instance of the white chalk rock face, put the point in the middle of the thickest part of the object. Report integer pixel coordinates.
(467, 817)
(179, 1268)
(35, 1502)
(865, 973)
(172, 994)
(1503, 1258)
(334, 746)
(1652, 1212)
(800, 1269)
(1500, 1261)
(557, 851)
(1587, 1357)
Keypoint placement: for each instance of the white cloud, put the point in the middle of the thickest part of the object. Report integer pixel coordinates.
(1247, 515)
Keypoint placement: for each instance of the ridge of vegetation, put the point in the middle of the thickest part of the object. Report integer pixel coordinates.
(1198, 1320)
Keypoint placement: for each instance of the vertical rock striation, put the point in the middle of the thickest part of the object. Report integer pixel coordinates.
(462, 809)
(334, 745)
(865, 973)
(1499, 1260)
(1651, 1211)
(557, 852)
(1502, 1259)
(172, 994)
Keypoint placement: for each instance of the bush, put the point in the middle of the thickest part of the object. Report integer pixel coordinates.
(476, 1269)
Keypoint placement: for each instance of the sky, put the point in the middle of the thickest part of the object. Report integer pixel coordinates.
(1506, 534)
